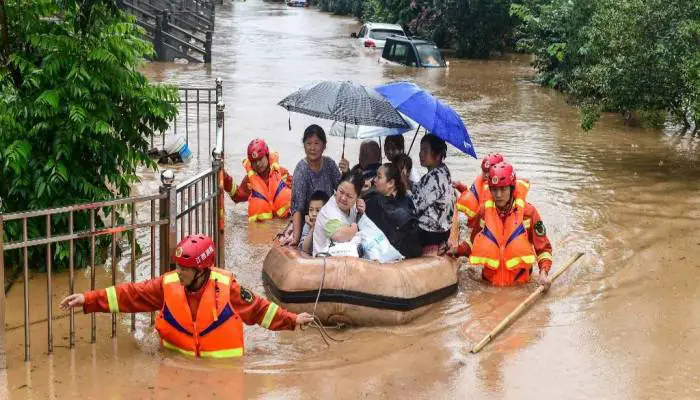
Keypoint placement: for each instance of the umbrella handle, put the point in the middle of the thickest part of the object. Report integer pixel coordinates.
(413, 141)
(345, 126)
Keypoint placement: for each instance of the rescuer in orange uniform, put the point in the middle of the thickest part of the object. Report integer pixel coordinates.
(202, 308)
(473, 197)
(267, 186)
(510, 237)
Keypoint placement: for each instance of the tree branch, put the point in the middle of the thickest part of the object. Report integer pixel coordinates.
(5, 53)
(5, 33)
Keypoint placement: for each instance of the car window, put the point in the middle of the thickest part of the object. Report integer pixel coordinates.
(362, 31)
(400, 53)
(411, 58)
(430, 55)
(382, 34)
(388, 49)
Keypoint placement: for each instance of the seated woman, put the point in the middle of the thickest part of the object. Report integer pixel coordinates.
(393, 212)
(433, 197)
(395, 146)
(337, 220)
(315, 172)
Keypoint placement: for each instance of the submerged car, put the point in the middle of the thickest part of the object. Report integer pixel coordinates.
(373, 35)
(412, 52)
(297, 3)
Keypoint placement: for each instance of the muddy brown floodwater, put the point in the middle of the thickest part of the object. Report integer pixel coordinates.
(622, 324)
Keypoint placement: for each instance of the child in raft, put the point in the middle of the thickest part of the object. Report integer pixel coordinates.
(318, 199)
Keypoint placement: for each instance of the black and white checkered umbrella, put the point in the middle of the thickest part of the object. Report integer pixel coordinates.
(346, 102)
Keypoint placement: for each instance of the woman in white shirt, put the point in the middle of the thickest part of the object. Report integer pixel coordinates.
(337, 220)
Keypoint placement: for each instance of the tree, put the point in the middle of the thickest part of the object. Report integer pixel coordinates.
(476, 27)
(635, 57)
(352, 7)
(76, 115)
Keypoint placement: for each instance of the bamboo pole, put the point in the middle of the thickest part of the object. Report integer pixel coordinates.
(522, 307)
(453, 240)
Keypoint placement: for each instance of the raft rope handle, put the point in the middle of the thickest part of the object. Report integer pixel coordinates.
(317, 321)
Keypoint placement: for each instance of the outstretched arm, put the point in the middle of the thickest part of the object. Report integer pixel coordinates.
(144, 296)
(254, 309)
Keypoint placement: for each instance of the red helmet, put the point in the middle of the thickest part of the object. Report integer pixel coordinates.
(257, 149)
(502, 174)
(195, 251)
(490, 160)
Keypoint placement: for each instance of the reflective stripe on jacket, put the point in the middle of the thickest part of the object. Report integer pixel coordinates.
(217, 331)
(470, 200)
(268, 199)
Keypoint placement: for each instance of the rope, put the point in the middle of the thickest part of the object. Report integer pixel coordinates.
(322, 329)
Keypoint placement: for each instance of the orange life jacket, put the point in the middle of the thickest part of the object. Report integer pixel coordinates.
(216, 333)
(470, 200)
(503, 247)
(268, 199)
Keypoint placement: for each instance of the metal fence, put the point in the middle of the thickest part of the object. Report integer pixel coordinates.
(178, 29)
(196, 120)
(158, 220)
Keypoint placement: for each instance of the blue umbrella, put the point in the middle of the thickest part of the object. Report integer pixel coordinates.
(436, 117)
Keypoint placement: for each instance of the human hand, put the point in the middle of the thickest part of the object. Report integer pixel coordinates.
(354, 229)
(72, 301)
(344, 166)
(310, 223)
(288, 241)
(304, 319)
(460, 186)
(361, 206)
(544, 280)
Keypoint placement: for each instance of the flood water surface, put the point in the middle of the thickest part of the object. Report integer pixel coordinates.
(620, 324)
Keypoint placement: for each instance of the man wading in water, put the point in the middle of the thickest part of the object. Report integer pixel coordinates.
(202, 308)
(510, 237)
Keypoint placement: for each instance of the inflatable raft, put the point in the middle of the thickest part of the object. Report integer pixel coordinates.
(355, 291)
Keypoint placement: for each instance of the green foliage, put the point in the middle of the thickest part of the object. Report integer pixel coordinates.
(75, 114)
(345, 7)
(390, 11)
(639, 58)
(475, 28)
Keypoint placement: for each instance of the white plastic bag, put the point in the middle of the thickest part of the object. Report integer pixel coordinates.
(375, 244)
(343, 249)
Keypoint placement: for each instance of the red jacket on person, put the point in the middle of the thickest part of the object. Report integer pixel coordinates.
(148, 296)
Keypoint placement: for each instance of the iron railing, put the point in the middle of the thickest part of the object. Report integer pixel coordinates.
(178, 29)
(175, 211)
(196, 119)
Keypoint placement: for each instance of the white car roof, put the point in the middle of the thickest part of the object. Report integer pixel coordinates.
(374, 25)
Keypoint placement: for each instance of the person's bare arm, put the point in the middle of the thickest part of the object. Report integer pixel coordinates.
(345, 234)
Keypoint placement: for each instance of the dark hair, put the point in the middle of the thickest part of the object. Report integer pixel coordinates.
(392, 173)
(370, 153)
(356, 179)
(437, 145)
(314, 130)
(319, 195)
(402, 161)
(396, 140)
